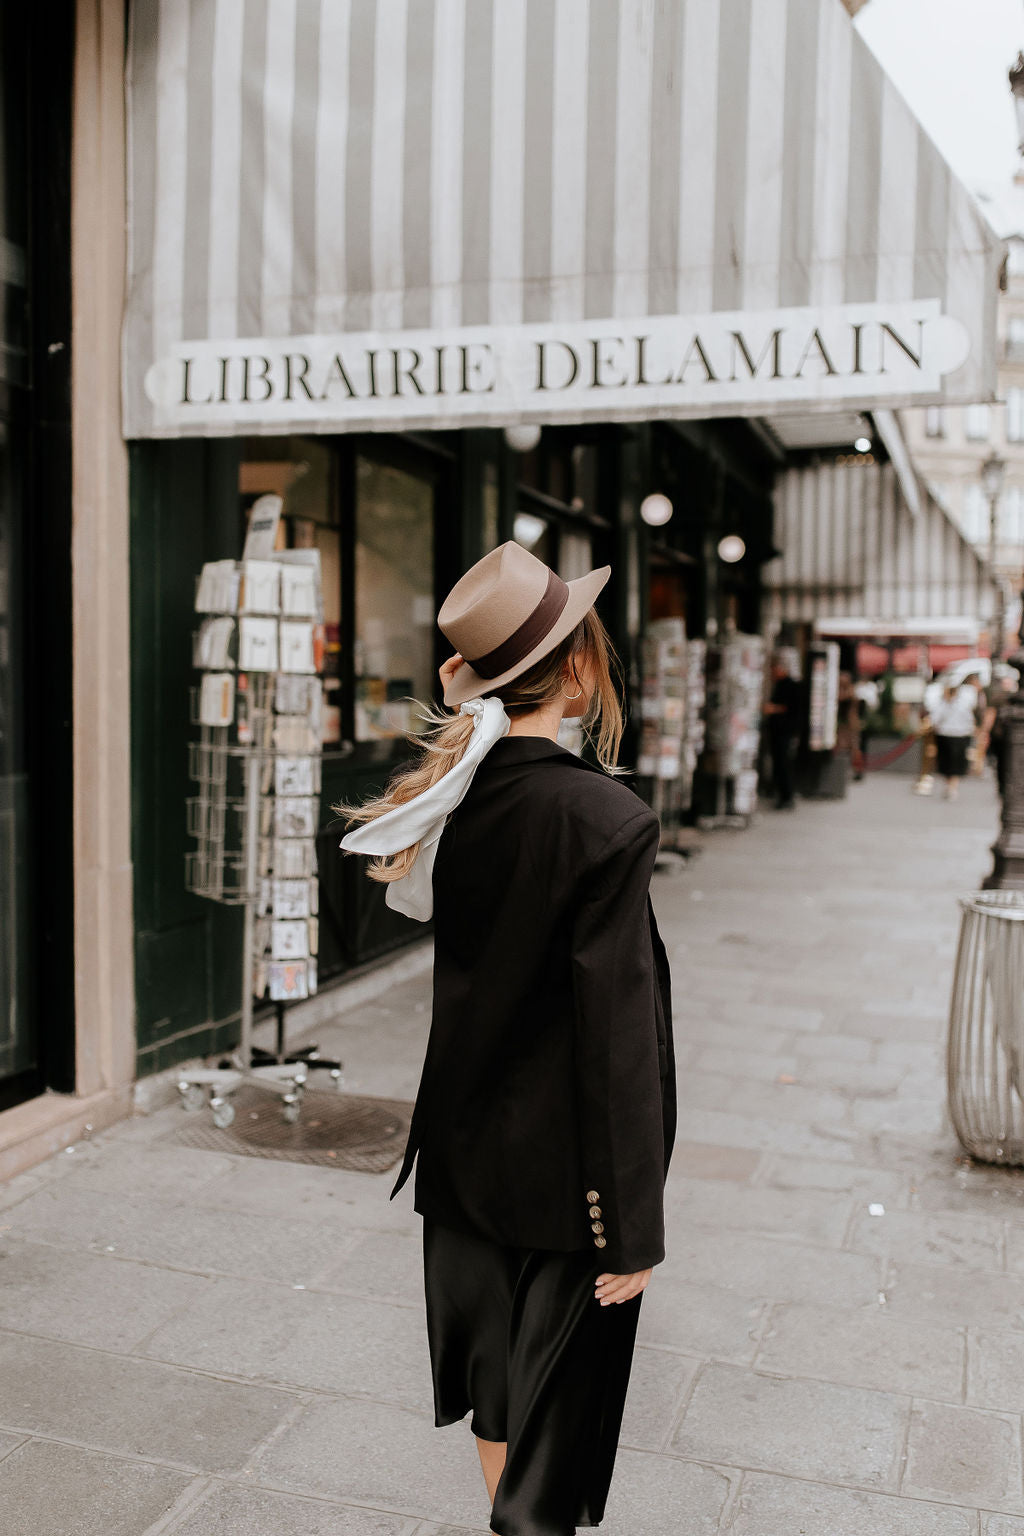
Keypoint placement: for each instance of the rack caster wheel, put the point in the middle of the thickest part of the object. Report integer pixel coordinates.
(291, 1108)
(192, 1096)
(223, 1113)
(337, 1077)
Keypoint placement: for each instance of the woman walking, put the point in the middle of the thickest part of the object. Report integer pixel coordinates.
(954, 717)
(545, 1115)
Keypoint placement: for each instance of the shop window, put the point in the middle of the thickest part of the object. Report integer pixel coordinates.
(1011, 516)
(1015, 415)
(976, 423)
(394, 599)
(975, 525)
(935, 421)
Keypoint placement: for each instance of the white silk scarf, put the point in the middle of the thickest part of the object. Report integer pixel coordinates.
(422, 819)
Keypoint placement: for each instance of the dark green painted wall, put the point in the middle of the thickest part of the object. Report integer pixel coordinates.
(184, 510)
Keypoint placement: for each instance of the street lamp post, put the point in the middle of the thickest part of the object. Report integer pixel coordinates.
(1008, 849)
(992, 481)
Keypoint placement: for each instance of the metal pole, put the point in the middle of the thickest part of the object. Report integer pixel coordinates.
(254, 767)
(997, 621)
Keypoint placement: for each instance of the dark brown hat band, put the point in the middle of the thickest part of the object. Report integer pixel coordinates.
(530, 632)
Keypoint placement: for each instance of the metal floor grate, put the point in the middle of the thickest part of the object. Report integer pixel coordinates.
(335, 1130)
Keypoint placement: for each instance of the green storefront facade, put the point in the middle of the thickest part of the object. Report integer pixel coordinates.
(397, 518)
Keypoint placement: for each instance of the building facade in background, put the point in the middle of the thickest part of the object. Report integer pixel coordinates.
(951, 445)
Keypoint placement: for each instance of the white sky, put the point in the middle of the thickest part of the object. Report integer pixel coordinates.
(950, 58)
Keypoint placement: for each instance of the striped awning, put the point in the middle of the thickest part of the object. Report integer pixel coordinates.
(851, 546)
(385, 214)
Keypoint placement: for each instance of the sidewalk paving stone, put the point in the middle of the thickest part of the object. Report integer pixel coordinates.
(654, 1495)
(931, 1237)
(133, 1407)
(867, 1185)
(179, 1235)
(379, 1454)
(810, 1429)
(82, 1298)
(386, 1266)
(340, 1198)
(48, 1489)
(864, 1348)
(778, 1506)
(228, 1510)
(704, 1321)
(774, 1268)
(965, 1455)
(995, 1369)
(703, 1160)
(812, 1215)
(658, 1382)
(302, 1338)
(955, 1295)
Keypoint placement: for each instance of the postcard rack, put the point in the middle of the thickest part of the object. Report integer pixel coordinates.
(255, 767)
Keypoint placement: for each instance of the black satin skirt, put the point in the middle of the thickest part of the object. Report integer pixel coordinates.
(518, 1340)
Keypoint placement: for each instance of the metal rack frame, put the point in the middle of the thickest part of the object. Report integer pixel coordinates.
(230, 818)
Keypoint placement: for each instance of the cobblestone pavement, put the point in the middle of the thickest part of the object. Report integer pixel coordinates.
(200, 1344)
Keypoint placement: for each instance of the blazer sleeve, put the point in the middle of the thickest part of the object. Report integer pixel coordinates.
(618, 1060)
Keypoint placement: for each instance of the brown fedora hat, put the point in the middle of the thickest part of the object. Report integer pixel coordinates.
(505, 613)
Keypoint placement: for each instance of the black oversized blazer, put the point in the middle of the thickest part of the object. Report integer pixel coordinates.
(545, 1115)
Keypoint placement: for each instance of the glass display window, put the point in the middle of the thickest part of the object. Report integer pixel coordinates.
(394, 599)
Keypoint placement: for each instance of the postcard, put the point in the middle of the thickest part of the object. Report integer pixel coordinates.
(289, 939)
(217, 591)
(217, 698)
(295, 776)
(296, 646)
(261, 586)
(257, 644)
(291, 898)
(295, 816)
(294, 857)
(288, 981)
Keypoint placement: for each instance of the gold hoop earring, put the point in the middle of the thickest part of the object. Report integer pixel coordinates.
(571, 696)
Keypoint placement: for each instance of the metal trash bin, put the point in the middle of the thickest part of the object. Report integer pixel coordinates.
(985, 1050)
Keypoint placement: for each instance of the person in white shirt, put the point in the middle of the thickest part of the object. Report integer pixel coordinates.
(954, 717)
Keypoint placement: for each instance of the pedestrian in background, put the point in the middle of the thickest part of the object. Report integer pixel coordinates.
(784, 722)
(954, 718)
(545, 1115)
(848, 724)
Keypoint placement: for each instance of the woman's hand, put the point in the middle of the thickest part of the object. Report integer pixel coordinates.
(448, 671)
(621, 1287)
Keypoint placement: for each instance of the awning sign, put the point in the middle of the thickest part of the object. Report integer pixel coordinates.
(649, 366)
(381, 215)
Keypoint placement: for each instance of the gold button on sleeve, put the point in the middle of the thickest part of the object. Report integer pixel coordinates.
(595, 1210)
(600, 1242)
(592, 1197)
(597, 1226)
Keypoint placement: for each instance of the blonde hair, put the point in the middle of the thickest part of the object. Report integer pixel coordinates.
(442, 746)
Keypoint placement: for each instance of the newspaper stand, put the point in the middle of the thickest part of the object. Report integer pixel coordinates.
(255, 765)
(735, 681)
